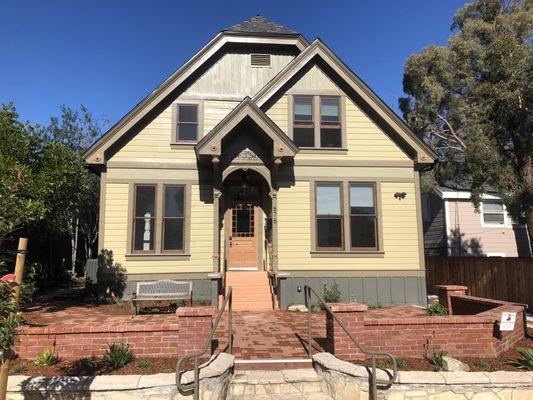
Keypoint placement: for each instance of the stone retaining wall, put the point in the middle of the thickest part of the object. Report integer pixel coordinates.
(179, 334)
(473, 333)
(345, 381)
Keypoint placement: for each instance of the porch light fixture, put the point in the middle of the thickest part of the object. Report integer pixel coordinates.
(400, 195)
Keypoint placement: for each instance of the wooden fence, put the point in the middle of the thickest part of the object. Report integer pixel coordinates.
(501, 278)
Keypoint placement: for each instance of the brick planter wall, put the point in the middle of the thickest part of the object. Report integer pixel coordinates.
(175, 335)
(460, 335)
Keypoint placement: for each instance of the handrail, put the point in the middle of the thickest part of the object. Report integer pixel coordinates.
(195, 384)
(308, 290)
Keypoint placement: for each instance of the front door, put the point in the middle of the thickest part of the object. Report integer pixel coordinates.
(243, 236)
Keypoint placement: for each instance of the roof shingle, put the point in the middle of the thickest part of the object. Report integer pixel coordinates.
(261, 25)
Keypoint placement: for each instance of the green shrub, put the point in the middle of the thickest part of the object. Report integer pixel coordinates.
(19, 369)
(331, 294)
(401, 363)
(524, 360)
(46, 358)
(436, 359)
(117, 355)
(144, 364)
(374, 306)
(436, 309)
(481, 363)
(387, 364)
(84, 365)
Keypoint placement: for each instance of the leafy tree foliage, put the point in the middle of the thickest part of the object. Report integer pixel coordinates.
(472, 101)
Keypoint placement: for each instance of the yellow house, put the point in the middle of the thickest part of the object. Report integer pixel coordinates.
(265, 163)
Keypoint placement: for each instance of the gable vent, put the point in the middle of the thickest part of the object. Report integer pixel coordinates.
(260, 60)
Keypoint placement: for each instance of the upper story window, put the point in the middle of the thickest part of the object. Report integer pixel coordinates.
(303, 125)
(187, 123)
(317, 122)
(330, 122)
(493, 213)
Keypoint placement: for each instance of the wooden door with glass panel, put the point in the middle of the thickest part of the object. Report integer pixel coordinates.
(243, 236)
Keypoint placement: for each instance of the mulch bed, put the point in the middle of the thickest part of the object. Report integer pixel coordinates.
(500, 363)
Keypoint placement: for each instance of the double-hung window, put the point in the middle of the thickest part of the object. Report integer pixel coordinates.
(303, 124)
(493, 213)
(186, 123)
(173, 218)
(317, 122)
(330, 122)
(363, 217)
(329, 219)
(159, 218)
(354, 229)
(144, 218)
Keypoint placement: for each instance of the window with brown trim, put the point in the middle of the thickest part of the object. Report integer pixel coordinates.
(173, 223)
(187, 123)
(363, 217)
(330, 122)
(303, 121)
(329, 219)
(144, 218)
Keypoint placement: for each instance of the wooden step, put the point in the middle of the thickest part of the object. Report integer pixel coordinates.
(252, 305)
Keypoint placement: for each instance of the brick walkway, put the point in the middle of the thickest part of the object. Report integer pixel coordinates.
(272, 334)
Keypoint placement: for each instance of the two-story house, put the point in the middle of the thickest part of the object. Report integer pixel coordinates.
(264, 162)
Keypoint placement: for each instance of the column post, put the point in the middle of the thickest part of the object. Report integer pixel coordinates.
(274, 197)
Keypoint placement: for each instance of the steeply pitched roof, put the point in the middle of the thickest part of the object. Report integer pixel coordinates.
(261, 25)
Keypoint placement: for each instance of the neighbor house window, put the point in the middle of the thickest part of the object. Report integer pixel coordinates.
(187, 123)
(425, 208)
(329, 219)
(493, 213)
(144, 218)
(330, 122)
(363, 217)
(173, 218)
(303, 125)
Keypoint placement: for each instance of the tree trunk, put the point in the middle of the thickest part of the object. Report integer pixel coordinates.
(526, 173)
(529, 219)
(74, 244)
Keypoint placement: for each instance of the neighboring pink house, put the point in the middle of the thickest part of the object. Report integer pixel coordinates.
(452, 227)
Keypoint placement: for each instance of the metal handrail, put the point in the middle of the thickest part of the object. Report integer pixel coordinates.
(195, 384)
(374, 381)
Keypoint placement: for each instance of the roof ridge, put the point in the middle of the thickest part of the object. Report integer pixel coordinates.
(261, 25)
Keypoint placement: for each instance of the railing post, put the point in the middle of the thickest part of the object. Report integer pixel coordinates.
(196, 379)
(230, 322)
(309, 335)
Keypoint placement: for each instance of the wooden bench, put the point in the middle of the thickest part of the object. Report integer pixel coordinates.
(162, 290)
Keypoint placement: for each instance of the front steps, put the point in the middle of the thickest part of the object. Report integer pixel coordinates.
(251, 290)
(293, 384)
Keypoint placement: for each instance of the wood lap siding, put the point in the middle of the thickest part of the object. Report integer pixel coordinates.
(501, 278)
(435, 228)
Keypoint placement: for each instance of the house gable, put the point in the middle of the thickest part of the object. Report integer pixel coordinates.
(318, 53)
(364, 139)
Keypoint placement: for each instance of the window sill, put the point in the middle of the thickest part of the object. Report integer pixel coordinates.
(177, 145)
(160, 256)
(324, 150)
(347, 254)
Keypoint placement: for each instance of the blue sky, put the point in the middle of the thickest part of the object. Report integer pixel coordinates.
(109, 54)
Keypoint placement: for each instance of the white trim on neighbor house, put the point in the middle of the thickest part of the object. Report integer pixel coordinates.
(496, 254)
(448, 227)
(447, 193)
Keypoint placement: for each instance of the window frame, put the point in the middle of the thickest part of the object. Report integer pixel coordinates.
(304, 124)
(347, 250)
(316, 117)
(158, 252)
(374, 215)
(506, 220)
(325, 216)
(134, 218)
(174, 139)
(163, 218)
(329, 124)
